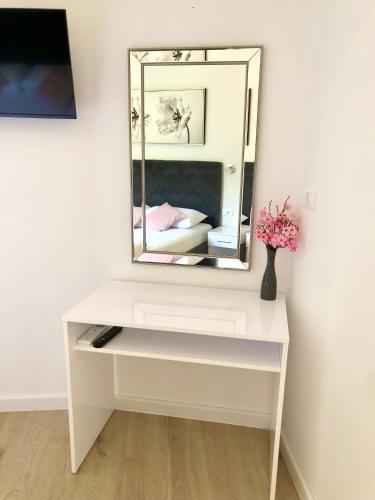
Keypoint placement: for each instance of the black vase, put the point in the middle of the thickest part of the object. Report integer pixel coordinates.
(269, 282)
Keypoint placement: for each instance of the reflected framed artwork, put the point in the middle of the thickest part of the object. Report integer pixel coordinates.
(175, 116)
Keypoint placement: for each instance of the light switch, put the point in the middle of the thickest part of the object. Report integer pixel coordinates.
(309, 200)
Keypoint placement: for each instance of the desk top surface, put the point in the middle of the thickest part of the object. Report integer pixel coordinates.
(186, 309)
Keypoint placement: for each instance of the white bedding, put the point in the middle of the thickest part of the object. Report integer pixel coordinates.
(173, 240)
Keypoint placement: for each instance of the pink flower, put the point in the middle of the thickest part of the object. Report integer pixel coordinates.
(283, 241)
(278, 230)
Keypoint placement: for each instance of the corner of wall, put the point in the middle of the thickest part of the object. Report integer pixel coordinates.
(294, 470)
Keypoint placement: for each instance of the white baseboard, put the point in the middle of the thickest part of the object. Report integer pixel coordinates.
(298, 479)
(34, 402)
(30, 402)
(193, 411)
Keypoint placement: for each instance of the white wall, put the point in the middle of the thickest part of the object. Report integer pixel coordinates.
(330, 401)
(47, 227)
(79, 200)
(252, 55)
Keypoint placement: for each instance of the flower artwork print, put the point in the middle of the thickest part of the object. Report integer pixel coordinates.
(171, 116)
(135, 118)
(176, 55)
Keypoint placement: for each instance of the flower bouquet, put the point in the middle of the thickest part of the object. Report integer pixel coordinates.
(277, 229)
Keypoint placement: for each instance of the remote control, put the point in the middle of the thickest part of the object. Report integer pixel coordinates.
(107, 336)
(92, 334)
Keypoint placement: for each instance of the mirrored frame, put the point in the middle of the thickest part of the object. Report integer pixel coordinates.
(138, 62)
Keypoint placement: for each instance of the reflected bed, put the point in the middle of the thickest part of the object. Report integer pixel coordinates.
(173, 240)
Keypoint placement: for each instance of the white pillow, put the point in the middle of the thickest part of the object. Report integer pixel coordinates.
(192, 218)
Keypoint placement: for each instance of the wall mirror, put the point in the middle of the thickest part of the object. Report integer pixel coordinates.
(193, 117)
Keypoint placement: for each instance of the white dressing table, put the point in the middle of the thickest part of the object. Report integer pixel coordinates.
(187, 324)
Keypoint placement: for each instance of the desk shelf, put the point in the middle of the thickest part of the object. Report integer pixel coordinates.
(190, 348)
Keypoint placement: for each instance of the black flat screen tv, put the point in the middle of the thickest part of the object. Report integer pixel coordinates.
(36, 77)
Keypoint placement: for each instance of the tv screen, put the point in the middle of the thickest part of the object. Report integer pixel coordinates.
(35, 71)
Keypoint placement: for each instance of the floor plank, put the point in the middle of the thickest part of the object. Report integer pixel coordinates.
(136, 457)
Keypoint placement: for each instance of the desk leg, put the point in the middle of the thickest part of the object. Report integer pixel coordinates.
(276, 416)
(90, 393)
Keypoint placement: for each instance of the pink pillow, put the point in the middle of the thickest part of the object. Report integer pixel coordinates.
(164, 217)
(137, 216)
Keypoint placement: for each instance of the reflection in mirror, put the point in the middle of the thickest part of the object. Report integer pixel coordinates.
(193, 125)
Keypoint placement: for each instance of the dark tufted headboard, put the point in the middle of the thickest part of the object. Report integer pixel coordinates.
(188, 184)
(247, 191)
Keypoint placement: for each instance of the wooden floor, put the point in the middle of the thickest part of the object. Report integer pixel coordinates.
(137, 457)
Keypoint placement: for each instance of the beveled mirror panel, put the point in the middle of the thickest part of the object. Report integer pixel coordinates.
(193, 129)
